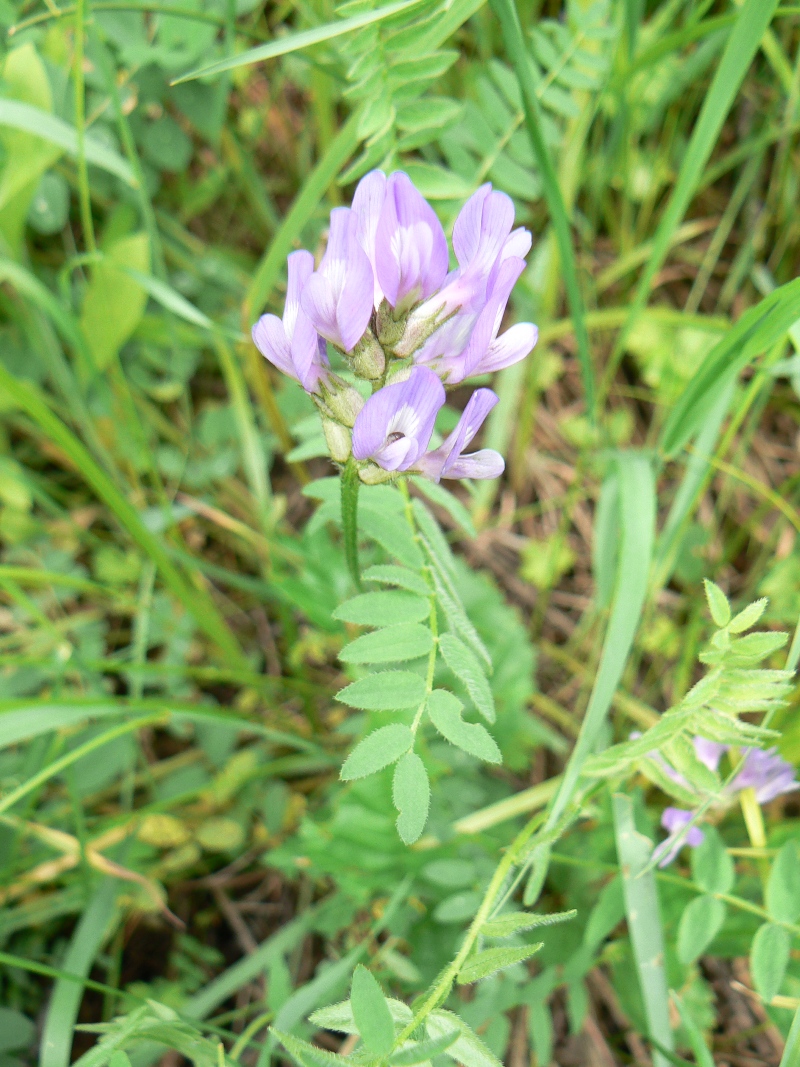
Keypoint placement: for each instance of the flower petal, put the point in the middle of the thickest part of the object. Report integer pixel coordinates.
(270, 339)
(486, 463)
(354, 307)
(467, 228)
(309, 356)
(411, 248)
(367, 205)
(318, 301)
(509, 348)
(407, 409)
(709, 752)
(301, 266)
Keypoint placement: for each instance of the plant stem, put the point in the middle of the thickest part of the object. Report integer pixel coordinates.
(350, 485)
(80, 126)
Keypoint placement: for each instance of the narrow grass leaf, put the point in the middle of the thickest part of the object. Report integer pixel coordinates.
(371, 1012)
(445, 712)
(392, 644)
(637, 521)
(377, 751)
(702, 1053)
(384, 691)
(411, 793)
(644, 922)
(791, 1051)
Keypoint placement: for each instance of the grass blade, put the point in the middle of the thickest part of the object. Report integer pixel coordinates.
(644, 923)
(791, 1051)
(637, 522)
(516, 49)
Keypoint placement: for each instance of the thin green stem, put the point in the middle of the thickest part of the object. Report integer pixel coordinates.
(350, 485)
(80, 126)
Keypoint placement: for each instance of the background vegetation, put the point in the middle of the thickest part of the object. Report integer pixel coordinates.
(176, 851)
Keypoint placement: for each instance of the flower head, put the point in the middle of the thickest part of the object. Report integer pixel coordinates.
(764, 771)
(338, 296)
(292, 344)
(395, 425)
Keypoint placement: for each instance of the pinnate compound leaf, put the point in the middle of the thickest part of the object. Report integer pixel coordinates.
(467, 1049)
(515, 921)
(308, 1055)
(391, 574)
(393, 644)
(769, 957)
(384, 691)
(712, 867)
(371, 1012)
(699, 925)
(340, 1017)
(464, 664)
(445, 711)
(492, 960)
(783, 887)
(748, 616)
(383, 609)
(717, 603)
(376, 751)
(422, 1051)
(411, 792)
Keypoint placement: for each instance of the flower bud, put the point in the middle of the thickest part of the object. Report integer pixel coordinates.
(374, 475)
(367, 358)
(341, 401)
(337, 438)
(390, 329)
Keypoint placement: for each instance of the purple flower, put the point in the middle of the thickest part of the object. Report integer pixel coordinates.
(338, 296)
(448, 461)
(367, 206)
(292, 344)
(410, 245)
(674, 820)
(395, 425)
(709, 752)
(767, 773)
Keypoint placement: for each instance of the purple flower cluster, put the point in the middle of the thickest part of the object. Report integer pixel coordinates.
(384, 296)
(762, 770)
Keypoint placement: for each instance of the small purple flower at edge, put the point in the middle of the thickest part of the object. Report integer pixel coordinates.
(395, 426)
(292, 344)
(674, 820)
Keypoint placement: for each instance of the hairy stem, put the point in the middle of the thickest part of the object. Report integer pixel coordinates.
(350, 486)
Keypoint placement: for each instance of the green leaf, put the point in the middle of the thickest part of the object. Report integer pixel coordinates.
(444, 710)
(468, 1049)
(783, 887)
(700, 1049)
(605, 540)
(114, 303)
(717, 604)
(712, 867)
(699, 925)
(371, 1013)
(465, 665)
(385, 691)
(305, 1054)
(791, 1051)
(443, 497)
(492, 960)
(748, 616)
(383, 609)
(16, 1030)
(634, 851)
(390, 574)
(393, 644)
(411, 793)
(293, 42)
(340, 1016)
(422, 1051)
(376, 751)
(49, 209)
(119, 1059)
(515, 921)
(769, 957)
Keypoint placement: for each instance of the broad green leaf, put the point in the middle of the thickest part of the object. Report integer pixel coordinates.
(446, 500)
(392, 535)
(393, 644)
(390, 574)
(644, 922)
(340, 1017)
(465, 665)
(411, 793)
(699, 925)
(444, 710)
(422, 1051)
(383, 609)
(712, 867)
(783, 887)
(114, 303)
(377, 751)
(748, 616)
(371, 1013)
(308, 1055)
(385, 691)
(769, 957)
(717, 604)
(492, 960)
(467, 1049)
(516, 921)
